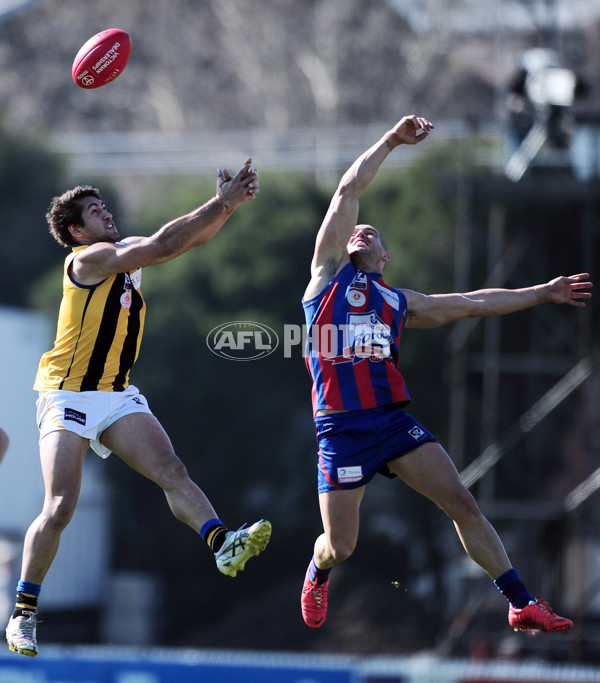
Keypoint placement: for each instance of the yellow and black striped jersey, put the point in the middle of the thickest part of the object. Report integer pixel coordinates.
(98, 334)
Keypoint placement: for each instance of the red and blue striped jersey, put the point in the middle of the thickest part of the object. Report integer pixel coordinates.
(353, 330)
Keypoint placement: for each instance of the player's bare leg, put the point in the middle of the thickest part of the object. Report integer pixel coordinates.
(429, 470)
(340, 515)
(140, 441)
(62, 454)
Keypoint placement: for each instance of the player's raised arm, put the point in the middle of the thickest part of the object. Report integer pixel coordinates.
(105, 257)
(438, 309)
(330, 253)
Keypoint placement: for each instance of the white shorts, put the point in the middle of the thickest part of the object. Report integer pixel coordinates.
(87, 413)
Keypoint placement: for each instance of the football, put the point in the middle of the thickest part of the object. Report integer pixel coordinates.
(101, 59)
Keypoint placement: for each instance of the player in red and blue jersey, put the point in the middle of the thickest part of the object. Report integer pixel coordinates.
(354, 324)
(357, 322)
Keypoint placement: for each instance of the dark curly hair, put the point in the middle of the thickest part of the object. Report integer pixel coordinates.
(66, 210)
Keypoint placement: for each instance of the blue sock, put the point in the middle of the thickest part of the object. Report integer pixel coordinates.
(207, 526)
(29, 588)
(513, 589)
(316, 574)
(213, 533)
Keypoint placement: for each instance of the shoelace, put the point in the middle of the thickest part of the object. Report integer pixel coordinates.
(543, 606)
(26, 627)
(317, 593)
(236, 541)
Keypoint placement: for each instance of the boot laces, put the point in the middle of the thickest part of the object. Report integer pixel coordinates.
(317, 594)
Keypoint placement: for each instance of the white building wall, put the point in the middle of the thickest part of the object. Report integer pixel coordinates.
(77, 576)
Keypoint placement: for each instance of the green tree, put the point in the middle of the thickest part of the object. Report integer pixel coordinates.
(29, 176)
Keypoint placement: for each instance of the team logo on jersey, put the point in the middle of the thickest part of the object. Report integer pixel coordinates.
(355, 297)
(368, 337)
(417, 433)
(360, 281)
(132, 281)
(126, 299)
(364, 337)
(348, 475)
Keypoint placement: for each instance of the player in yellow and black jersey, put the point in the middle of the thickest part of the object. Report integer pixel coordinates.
(99, 333)
(85, 397)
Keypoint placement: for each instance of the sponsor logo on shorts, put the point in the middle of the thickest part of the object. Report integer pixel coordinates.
(347, 475)
(417, 433)
(75, 416)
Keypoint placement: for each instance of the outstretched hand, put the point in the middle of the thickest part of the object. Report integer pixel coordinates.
(410, 130)
(243, 186)
(567, 290)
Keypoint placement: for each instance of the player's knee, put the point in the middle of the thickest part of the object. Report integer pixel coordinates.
(59, 511)
(342, 549)
(172, 473)
(463, 506)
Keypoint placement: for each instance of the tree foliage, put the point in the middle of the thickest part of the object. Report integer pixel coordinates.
(29, 175)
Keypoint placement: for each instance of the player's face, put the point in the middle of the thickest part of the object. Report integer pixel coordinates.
(98, 224)
(366, 240)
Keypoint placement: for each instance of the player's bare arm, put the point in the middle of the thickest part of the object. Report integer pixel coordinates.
(103, 258)
(433, 310)
(330, 253)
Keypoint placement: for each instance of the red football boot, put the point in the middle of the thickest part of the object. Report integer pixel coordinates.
(537, 616)
(314, 601)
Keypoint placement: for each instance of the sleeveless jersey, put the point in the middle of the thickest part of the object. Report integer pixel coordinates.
(98, 334)
(352, 345)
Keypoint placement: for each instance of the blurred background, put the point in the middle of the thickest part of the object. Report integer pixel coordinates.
(505, 193)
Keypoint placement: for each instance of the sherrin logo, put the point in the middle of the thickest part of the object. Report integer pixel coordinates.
(86, 78)
(242, 340)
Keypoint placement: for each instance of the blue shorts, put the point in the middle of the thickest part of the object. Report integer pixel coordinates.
(354, 446)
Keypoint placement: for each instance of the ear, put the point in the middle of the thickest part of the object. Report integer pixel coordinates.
(386, 256)
(75, 230)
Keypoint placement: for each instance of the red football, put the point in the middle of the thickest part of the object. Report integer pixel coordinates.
(101, 59)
